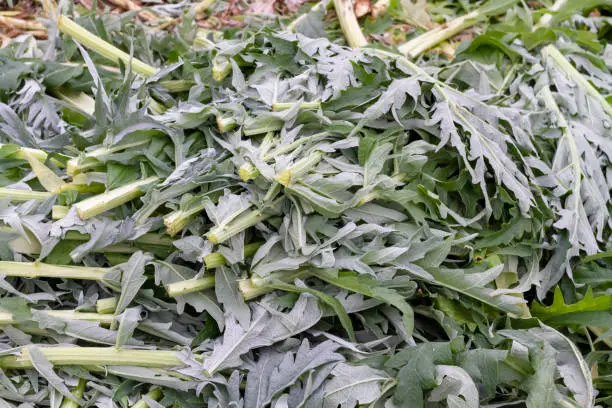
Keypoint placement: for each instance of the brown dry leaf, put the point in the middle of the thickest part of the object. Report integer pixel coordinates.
(262, 7)
(415, 13)
(293, 5)
(362, 7)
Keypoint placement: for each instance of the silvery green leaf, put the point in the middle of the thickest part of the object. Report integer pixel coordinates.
(275, 372)
(132, 278)
(237, 341)
(226, 289)
(128, 320)
(166, 273)
(45, 369)
(79, 329)
(456, 387)
(353, 385)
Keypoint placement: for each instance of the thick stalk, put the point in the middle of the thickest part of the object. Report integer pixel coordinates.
(21, 153)
(547, 18)
(21, 24)
(77, 100)
(59, 211)
(226, 123)
(248, 171)
(349, 24)
(91, 159)
(299, 169)
(554, 57)
(281, 106)
(95, 356)
(221, 67)
(249, 288)
(190, 286)
(177, 220)
(430, 39)
(98, 204)
(78, 392)
(177, 85)
(154, 395)
(76, 315)
(223, 232)
(14, 194)
(216, 259)
(106, 305)
(95, 43)
(41, 270)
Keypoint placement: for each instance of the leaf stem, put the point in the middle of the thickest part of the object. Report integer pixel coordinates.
(299, 169)
(106, 305)
(77, 392)
(42, 270)
(14, 194)
(349, 24)
(107, 50)
(83, 356)
(552, 54)
(95, 205)
(155, 395)
(435, 36)
(281, 106)
(223, 232)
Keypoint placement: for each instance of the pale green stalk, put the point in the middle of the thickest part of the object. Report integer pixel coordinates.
(59, 211)
(299, 169)
(221, 67)
(547, 18)
(553, 56)
(190, 286)
(249, 288)
(78, 392)
(216, 259)
(95, 205)
(22, 152)
(76, 315)
(226, 123)
(91, 159)
(155, 395)
(248, 171)
(281, 106)
(95, 356)
(6, 318)
(242, 222)
(177, 220)
(77, 100)
(177, 85)
(106, 305)
(14, 194)
(95, 43)
(349, 24)
(430, 39)
(42, 270)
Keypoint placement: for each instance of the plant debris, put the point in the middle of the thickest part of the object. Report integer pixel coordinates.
(293, 213)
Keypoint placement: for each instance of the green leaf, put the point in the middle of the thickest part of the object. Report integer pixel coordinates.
(591, 310)
(371, 288)
(332, 302)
